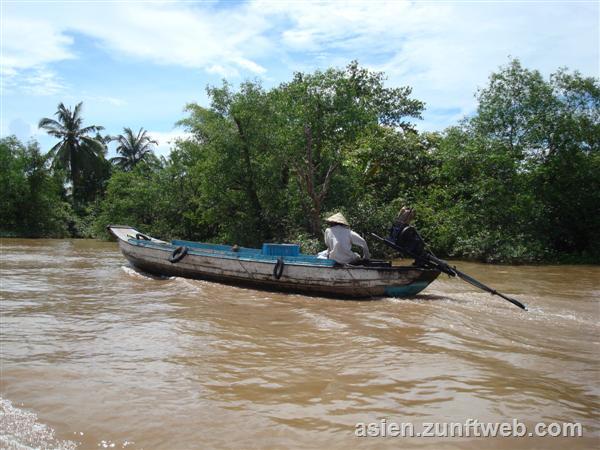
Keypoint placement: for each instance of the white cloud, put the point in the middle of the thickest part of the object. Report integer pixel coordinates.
(184, 34)
(29, 42)
(166, 140)
(225, 72)
(445, 50)
(41, 81)
(249, 65)
(114, 101)
(37, 80)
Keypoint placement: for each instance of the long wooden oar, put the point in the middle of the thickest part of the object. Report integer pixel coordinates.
(443, 266)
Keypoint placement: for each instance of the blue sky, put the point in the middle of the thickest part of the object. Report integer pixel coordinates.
(137, 63)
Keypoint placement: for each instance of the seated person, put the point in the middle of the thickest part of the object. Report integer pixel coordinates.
(339, 239)
(405, 236)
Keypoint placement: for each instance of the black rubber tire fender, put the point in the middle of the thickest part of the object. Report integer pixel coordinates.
(278, 269)
(178, 254)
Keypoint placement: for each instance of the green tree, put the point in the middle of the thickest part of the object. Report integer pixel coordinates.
(133, 148)
(320, 117)
(155, 199)
(232, 164)
(480, 204)
(553, 127)
(517, 181)
(77, 150)
(94, 177)
(30, 195)
(520, 179)
(387, 170)
(391, 163)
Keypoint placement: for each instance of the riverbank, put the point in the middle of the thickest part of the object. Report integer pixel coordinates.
(313, 246)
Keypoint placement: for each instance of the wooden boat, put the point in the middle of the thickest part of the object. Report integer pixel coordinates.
(274, 267)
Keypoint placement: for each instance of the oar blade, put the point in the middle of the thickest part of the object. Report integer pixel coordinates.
(514, 301)
(452, 271)
(480, 285)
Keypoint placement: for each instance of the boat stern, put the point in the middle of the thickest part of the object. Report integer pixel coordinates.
(412, 289)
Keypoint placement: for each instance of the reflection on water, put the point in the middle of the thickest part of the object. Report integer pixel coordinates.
(105, 356)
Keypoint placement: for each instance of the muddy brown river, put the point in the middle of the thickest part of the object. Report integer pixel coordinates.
(96, 355)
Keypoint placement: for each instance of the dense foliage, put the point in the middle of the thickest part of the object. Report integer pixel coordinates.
(31, 196)
(521, 179)
(518, 181)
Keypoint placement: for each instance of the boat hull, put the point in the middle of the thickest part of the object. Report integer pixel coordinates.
(337, 281)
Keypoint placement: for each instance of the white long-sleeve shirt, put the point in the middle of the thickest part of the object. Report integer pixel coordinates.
(339, 240)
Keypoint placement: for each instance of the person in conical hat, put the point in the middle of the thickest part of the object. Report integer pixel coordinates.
(337, 218)
(339, 239)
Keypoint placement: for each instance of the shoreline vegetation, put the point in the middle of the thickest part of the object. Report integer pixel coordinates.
(516, 182)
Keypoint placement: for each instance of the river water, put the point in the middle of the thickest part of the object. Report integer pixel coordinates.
(96, 355)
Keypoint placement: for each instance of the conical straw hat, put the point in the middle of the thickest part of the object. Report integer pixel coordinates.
(338, 218)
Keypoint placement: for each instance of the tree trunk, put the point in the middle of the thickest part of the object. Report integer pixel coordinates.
(74, 174)
(315, 219)
(308, 174)
(249, 184)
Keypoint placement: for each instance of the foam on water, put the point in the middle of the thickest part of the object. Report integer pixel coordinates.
(20, 430)
(143, 275)
(192, 286)
(321, 321)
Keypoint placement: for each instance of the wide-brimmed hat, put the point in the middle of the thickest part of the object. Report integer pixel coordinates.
(337, 218)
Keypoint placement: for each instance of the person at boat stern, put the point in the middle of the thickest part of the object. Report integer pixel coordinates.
(339, 239)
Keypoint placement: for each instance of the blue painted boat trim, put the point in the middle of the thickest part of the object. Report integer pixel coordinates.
(269, 248)
(224, 251)
(214, 247)
(407, 290)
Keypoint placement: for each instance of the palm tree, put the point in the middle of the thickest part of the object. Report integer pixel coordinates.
(77, 149)
(133, 148)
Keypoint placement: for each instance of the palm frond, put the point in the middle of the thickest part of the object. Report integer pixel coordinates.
(54, 153)
(62, 156)
(91, 129)
(57, 134)
(92, 146)
(77, 110)
(64, 114)
(51, 125)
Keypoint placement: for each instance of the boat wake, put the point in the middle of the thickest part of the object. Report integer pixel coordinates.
(322, 322)
(20, 430)
(136, 273)
(195, 286)
(191, 286)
